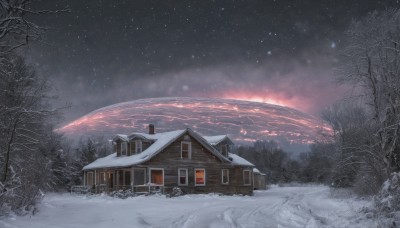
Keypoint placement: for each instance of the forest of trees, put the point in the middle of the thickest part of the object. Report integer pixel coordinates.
(362, 153)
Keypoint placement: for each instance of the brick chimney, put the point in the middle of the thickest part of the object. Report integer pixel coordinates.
(151, 129)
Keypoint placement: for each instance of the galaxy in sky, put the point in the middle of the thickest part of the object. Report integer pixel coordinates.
(281, 52)
(245, 122)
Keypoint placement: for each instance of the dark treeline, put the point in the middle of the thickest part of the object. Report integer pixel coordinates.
(314, 166)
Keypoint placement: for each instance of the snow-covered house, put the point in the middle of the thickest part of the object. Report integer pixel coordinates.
(162, 161)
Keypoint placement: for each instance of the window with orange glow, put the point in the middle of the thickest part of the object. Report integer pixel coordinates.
(200, 177)
(157, 176)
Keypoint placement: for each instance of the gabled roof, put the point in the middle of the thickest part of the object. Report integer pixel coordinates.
(122, 137)
(215, 140)
(161, 141)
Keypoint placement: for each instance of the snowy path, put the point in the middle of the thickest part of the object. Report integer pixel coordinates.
(278, 207)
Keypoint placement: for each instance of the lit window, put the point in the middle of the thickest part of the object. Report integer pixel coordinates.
(246, 177)
(157, 176)
(138, 146)
(186, 150)
(200, 177)
(225, 176)
(124, 148)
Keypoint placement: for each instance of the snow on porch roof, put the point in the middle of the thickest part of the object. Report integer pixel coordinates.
(237, 160)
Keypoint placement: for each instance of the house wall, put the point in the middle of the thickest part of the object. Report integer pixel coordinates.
(170, 160)
(260, 182)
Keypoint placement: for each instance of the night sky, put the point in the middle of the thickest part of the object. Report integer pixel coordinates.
(281, 52)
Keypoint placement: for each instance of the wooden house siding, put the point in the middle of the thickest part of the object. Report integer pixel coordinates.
(170, 159)
(260, 181)
(162, 167)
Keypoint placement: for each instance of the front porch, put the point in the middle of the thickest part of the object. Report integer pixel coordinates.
(140, 180)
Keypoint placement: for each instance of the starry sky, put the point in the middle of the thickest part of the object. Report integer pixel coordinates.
(276, 51)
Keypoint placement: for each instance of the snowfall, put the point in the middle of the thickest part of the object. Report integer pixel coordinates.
(296, 206)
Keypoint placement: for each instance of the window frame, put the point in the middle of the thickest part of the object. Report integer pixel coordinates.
(137, 143)
(144, 176)
(225, 153)
(189, 150)
(122, 148)
(87, 178)
(186, 179)
(131, 148)
(244, 179)
(163, 176)
(222, 176)
(195, 177)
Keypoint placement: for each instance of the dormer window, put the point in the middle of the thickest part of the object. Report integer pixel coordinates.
(186, 150)
(138, 146)
(124, 148)
(224, 150)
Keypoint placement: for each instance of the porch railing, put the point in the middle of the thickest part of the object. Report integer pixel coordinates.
(148, 189)
(80, 189)
(138, 189)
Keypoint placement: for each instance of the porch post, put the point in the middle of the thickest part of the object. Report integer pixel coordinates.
(84, 178)
(116, 180)
(132, 180)
(252, 175)
(95, 181)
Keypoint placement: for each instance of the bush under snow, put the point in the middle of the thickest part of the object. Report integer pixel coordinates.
(388, 201)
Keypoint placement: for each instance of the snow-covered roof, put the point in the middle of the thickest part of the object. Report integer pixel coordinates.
(255, 170)
(161, 141)
(214, 140)
(237, 160)
(122, 137)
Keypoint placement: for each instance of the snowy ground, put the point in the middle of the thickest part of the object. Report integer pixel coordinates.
(311, 206)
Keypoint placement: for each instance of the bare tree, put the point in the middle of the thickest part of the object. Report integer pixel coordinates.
(371, 61)
(28, 144)
(357, 160)
(16, 28)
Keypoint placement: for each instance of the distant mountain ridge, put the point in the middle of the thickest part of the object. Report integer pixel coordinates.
(243, 121)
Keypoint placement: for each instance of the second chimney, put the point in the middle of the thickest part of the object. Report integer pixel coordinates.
(151, 129)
